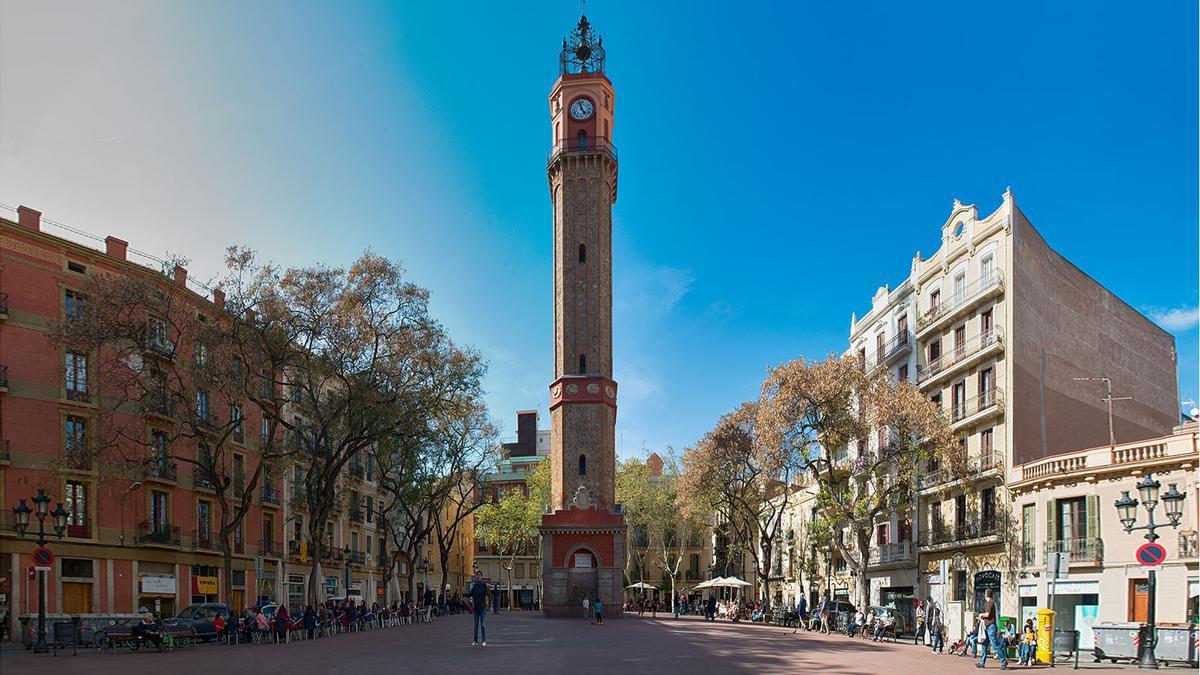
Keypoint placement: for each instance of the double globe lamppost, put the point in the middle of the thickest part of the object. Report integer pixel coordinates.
(1172, 500)
(41, 508)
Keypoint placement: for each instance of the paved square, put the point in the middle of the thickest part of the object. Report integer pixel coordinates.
(524, 642)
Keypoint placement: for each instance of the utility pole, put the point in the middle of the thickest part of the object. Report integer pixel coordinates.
(1112, 439)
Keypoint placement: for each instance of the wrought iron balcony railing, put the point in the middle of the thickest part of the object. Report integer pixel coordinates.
(894, 552)
(160, 470)
(960, 532)
(78, 395)
(270, 494)
(1078, 550)
(900, 343)
(203, 479)
(582, 145)
(970, 293)
(986, 400)
(158, 533)
(959, 354)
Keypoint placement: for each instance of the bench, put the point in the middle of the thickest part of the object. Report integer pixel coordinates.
(115, 636)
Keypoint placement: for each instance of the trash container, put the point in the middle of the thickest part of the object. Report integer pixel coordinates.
(1177, 644)
(1067, 642)
(1115, 641)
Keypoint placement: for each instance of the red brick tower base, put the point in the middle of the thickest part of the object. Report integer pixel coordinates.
(583, 553)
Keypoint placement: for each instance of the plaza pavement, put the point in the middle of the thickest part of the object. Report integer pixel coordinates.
(527, 644)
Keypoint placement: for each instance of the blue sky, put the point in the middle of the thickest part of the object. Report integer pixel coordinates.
(779, 161)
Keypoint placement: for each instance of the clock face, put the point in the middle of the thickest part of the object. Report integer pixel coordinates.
(582, 109)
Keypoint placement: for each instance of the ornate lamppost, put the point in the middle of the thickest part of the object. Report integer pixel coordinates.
(41, 508)
(1172, 501)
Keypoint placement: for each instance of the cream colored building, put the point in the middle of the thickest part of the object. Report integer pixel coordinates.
(1065, 503)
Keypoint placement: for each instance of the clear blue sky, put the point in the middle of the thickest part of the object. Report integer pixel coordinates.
(779, 161)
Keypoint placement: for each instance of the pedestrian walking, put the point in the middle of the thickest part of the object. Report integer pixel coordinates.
(599, 609)
(988, 636)
(479, 593)
(587, 606)
(281, 624)
(933, 624)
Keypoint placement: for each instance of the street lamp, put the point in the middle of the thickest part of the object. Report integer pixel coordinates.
(1172, 499)
(41, 508)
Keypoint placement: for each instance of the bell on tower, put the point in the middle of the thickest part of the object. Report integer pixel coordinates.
(583, 51)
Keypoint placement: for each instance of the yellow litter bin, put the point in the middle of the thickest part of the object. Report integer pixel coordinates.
(1045, 636)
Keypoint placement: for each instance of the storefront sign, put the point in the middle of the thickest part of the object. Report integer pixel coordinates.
(204, 585)
(1029, 591)
(164, 585)
(295, 579)
(331, 582)
(1076, 587)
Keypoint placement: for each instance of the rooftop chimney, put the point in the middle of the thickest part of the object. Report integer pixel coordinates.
(181, 275)
(116, 248)
(27, 217)
(219, 298)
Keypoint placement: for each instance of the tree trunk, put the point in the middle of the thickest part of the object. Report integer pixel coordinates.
(864, 584)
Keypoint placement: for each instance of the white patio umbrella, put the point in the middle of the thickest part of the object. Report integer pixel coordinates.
(641, 585)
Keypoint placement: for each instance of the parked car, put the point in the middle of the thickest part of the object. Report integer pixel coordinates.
(842, 612)
(899, 620)
(202, 617)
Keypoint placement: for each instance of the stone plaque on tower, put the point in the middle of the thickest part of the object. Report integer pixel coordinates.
(583, 537)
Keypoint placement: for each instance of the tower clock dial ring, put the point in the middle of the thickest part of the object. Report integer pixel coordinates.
(582, 109)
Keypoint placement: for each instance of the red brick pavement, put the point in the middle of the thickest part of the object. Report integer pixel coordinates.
(526, 643)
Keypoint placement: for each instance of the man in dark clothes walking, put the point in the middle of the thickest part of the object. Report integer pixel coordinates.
(479, 608)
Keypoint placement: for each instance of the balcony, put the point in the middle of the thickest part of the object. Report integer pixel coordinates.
(971, 296)
(357, 557)
(899, 345)
(273, 549)
(159, 345)
(160, 470)
(79, 395)
(202, 479)
(893, 553)
(157, 406)
(270, 495)
(79, 459)
(355, 515)
(1079, 551)
(1028, 554)
(970, 532)
(977, 467)
(988, 403)
(1189, 545)
(203, 539)
(972, 351)
(587, 145)
(157, 534)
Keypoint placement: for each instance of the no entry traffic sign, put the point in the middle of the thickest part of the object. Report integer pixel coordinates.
(43, 557)
(1151, 555)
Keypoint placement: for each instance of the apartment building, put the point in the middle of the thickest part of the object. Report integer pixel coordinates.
(995, 327)
(1065, 504)
(517, 458)
(140, 533)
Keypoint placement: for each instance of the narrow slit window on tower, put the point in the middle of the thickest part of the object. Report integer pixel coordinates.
(583, 465)
(581, 140)
(582, 253)
(583, 364)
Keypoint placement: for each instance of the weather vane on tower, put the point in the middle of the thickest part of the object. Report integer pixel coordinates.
(583, 51)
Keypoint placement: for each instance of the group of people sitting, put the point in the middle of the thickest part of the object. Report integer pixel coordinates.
(874, 624)
(330, 618)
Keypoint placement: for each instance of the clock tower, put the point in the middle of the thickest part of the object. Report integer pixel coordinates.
(583, 538)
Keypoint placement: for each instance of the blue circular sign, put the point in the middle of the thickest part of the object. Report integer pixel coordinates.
(1151, 555)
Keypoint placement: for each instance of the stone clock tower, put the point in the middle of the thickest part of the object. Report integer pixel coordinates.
(583, 539)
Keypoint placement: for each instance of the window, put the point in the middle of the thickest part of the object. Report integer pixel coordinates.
(76, 568)
(77, 518)
(935, 516)
(353, 542)
(519, 570)
(1028, 536)
(987, 508)
(881, 534)
(902, 373)
(862, 356)
(203, 523)
(235, 416)
(76, 267)
(73, 305)
(239, 473)
(297, 393)
(160, 517)
(935, 351)
(268, 534)
(987, 385)
(935, 299)
(958, 228)
(202, 405)
(201, 354)
(987, 269)
(879, 342)
(583, 465)
(902, 328)
(75, 440)
(239, 546)
(583, 364)
(581, 140)
(960, 513)
(906, 529)
(582, 253)
(370, 508)
(264, 429)
(985, 326)
(985, 449)
(958, 400)
(960, 342)
(77, 376)
(960, 585)
(960, 289)
(1072, 518)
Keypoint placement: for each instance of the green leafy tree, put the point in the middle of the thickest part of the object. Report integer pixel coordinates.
(510, 523)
